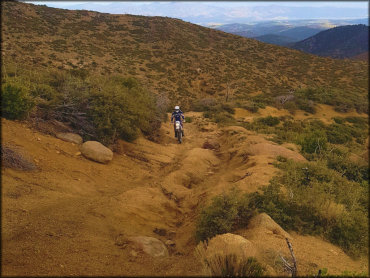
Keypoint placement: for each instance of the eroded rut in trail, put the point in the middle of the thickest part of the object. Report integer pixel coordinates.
(73, 216)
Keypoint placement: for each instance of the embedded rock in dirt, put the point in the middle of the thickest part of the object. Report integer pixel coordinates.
(274, 150)
(211, 144)
(263, 223)
(150, 246)
(70, 137)
(96, 151)
(230, 244)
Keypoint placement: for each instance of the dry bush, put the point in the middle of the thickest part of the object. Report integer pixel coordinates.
(228, 265)
(12, 158)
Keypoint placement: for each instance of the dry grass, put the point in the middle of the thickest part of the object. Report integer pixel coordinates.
(227, 265)
(12, 158)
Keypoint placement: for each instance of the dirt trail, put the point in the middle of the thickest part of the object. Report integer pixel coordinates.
(70, 216)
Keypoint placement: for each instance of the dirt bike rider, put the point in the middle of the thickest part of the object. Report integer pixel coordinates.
(178, 115)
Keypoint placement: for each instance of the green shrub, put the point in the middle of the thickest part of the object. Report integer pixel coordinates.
(16, 102)
(250, 106)
(354, 171)
(223, 118)
(189, 119)
(339, 120)
(225, 212)
(120, 109)
(306, 204)
(227, 107)
(350, 232)
(218, 218)
(306, 105)
(291, 106)
(204, 104)
(338, 134)
(98, 108)
(220, 113)
(360, 121)
(43, 91)
(313, 141)
(81, 73)
(269, 120)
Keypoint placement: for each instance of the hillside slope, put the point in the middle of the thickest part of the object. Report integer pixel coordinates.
(340, 42)
(301, 32)
(71, 216)
(275, 39)
(167, 55)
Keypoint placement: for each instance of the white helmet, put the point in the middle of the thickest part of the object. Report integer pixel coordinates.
(177, 107)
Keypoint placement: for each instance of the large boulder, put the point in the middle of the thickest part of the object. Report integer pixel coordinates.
(226, 244)
(70, 137)
(96, 151)
(264, 224)
(150, 245)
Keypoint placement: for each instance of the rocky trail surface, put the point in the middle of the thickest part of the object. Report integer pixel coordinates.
(136, 215)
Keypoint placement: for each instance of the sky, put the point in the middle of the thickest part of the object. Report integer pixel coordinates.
(222, 12)
(347, 4)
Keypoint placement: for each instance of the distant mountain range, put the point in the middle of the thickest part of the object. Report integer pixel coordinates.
(287, 32)
(339, 42)
(276, 39)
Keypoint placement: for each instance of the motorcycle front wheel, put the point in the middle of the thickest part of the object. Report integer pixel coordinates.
(179, 136)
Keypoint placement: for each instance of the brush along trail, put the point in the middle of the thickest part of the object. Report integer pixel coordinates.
(73, 216)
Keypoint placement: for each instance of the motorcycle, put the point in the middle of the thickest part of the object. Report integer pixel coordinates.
(179, 133)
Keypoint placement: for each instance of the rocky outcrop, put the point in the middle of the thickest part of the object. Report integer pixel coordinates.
(70, 137)
(274, 150)
(263, 223)
(96, 151)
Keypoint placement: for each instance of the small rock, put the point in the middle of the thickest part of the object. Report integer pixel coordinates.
(58, 152)
(161, 232)
(120, 240)
(38, 139)
(70, 137)
(78, 153)
(96, 151)
(133, 253)
(150, 246)
(170, 243)
(36, 160)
